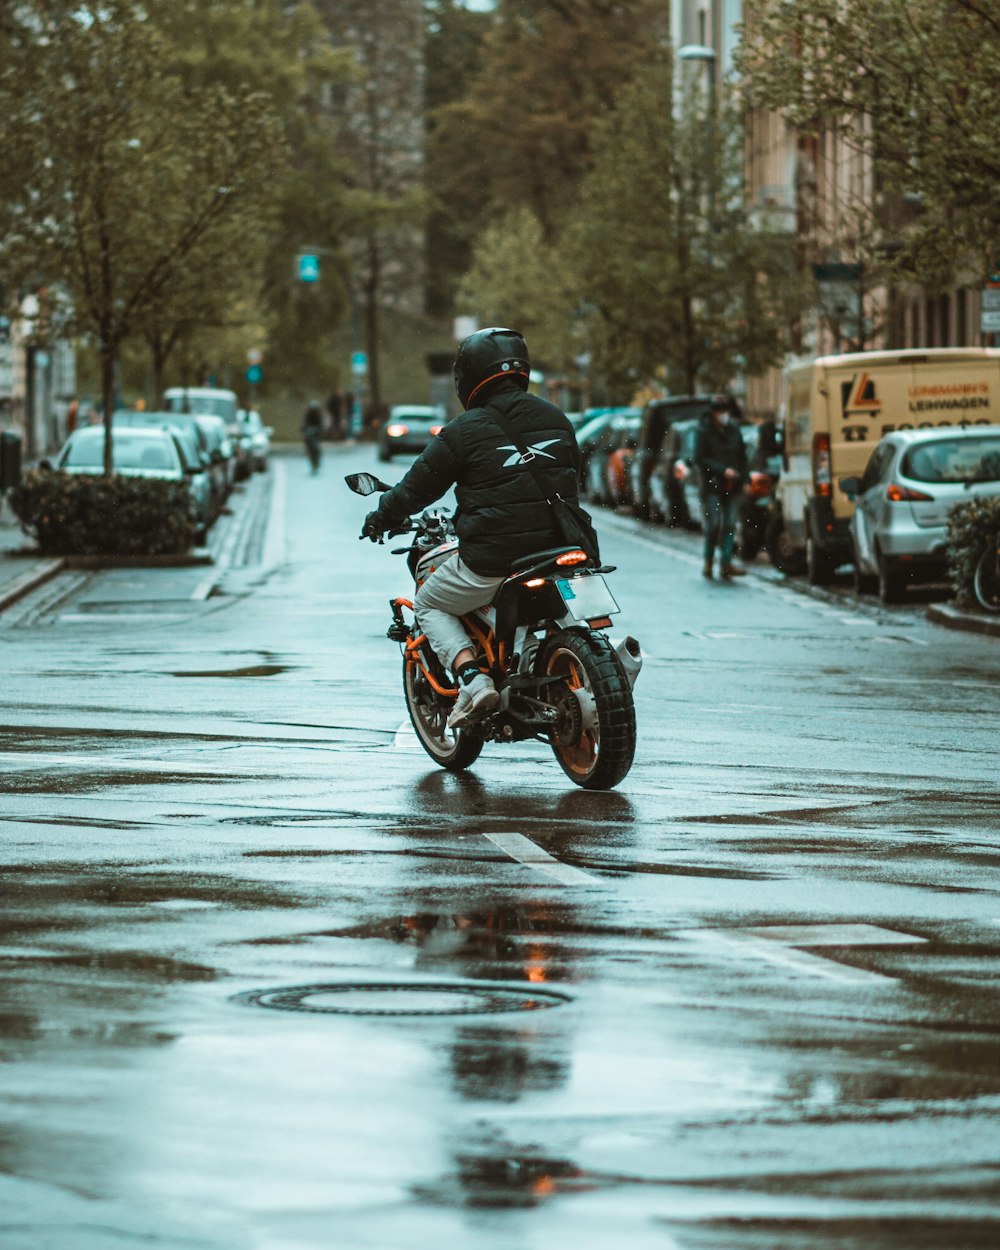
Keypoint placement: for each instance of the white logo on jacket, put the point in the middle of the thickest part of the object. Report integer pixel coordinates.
(534, 448)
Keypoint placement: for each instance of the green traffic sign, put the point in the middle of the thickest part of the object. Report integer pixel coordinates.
(255, 374)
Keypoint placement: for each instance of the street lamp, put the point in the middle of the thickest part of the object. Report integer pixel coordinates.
(701, 54)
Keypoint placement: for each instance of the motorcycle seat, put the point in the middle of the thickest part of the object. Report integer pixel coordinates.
(539, 557)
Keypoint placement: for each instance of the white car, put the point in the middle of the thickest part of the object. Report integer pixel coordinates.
(258, 438)
(899, 530)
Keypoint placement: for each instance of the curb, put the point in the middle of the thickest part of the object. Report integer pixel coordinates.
(954, 618)
(37, 575)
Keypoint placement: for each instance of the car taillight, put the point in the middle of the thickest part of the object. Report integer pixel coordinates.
(436, 429)
(821, 465)
(760, 484)
(396, 430)
(571, 557)
(903, 494)
(680, 471)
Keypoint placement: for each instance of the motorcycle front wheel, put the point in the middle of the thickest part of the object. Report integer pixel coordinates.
(450, 748)
(594, 737)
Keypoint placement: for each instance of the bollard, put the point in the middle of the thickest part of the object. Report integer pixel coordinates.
(10, 460)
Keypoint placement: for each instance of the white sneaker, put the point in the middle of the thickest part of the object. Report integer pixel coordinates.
(475, 700)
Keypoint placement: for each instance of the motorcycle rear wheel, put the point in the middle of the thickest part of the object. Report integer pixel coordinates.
(594, 738)
(428, 711)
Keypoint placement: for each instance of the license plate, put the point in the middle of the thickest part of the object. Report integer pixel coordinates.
(587, 598)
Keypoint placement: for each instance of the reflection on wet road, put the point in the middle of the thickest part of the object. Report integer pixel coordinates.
(269, 979)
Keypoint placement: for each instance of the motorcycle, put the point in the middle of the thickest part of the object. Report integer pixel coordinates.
(560, 679)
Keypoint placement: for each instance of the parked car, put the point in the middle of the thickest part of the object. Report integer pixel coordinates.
(408, 428)
(142, 452)
(607, 458)
(758, 498)
(589, 434)
(258, 439)
(657, 418)
(674, 482)
(899, 528)
(214, 401)
(223, 456)
(198, 449)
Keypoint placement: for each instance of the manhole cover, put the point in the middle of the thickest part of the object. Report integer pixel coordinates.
(406, 998)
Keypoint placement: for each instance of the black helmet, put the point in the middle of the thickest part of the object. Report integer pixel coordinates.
(488, 354)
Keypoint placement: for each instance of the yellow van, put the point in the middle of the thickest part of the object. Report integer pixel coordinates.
(836, 408)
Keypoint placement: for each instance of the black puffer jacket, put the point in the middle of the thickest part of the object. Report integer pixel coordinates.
(501, 514)
(718, 448)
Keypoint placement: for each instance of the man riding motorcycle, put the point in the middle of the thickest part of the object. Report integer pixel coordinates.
(502, 514)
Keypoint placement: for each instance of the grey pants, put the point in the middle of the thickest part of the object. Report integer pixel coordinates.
(450, 590)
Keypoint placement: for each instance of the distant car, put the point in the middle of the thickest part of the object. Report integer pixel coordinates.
(899, 529)
(221, 452)
(757, 500)
(408, 428)
(674, 482)
(657, 418)
(607, 455)
(198, 449)
(258, 436)
(213, 401)
(142, 452)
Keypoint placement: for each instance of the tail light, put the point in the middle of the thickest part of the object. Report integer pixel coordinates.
(760, 485)
(822, 481)
(680, 471)
(571, 557)
(396, 430)
(903, 494)
(534, 582)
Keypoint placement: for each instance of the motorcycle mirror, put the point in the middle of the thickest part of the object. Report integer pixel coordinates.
(365, 483)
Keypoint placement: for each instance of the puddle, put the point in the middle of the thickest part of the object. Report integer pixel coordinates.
(513, 1181)
(252, 670)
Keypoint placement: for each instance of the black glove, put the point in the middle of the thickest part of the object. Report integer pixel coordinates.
(374, 526)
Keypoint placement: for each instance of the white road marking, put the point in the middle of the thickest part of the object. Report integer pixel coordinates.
(834, 935)
(274, 546)
(529, 853)
(745, 945)
(32, 760)
(406, 737)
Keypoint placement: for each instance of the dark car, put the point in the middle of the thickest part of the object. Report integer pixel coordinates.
(674, 486)
(758, 500)
(607, 459)
(589, 436)
(657, 418)
(409, 428)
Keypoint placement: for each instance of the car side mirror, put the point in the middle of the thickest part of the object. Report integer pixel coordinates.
(45, 465)
(850, 486)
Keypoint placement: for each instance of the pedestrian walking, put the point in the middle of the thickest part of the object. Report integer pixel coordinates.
(312, 433)
(721, 457)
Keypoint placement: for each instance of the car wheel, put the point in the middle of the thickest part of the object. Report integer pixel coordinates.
(819, 567)
(890, 583)
(864, 583)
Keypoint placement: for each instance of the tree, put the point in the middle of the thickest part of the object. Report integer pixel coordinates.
(518, 279)
(910, 84)
(522, 135)
(127, 168)
(684, 287)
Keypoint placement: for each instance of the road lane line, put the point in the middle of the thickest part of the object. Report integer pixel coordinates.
(529, 853)
(274, 543)
(765, 950)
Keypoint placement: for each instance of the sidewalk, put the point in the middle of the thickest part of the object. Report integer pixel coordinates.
(21, 569)
(950, 617)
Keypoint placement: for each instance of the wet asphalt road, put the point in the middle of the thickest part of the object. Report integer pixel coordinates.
(774, 949)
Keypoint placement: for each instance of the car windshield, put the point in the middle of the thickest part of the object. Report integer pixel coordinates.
(955, 460)
(130, 451)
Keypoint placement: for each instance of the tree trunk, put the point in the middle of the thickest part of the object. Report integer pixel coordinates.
(108, 354)
(372, 324)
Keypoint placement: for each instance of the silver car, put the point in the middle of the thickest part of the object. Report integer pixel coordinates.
(899, 530)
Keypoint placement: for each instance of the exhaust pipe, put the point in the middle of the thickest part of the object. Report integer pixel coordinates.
(630, 654)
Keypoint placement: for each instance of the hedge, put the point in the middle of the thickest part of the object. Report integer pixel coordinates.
(970, 526)
(83, 514)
